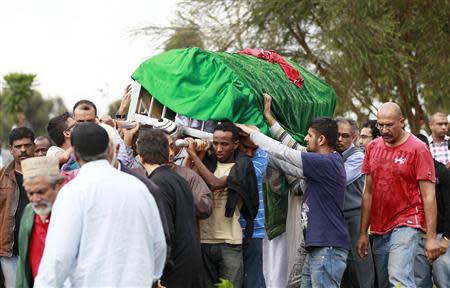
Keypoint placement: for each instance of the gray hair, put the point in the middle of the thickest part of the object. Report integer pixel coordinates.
(349, 121)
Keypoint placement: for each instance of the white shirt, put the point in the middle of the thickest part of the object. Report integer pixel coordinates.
(105, 231)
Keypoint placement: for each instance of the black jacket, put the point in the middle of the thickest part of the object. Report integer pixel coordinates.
(443, 198)
(241, 182)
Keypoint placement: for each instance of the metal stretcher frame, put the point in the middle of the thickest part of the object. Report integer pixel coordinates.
(145, 109)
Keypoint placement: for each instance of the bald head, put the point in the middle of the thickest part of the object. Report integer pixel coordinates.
(390, 109)
(390, 122)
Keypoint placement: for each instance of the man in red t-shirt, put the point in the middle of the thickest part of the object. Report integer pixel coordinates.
(42, 181)
(398, 201)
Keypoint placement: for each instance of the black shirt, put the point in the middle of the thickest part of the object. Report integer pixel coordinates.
(443, 198)
(23, 202)
(184, 267)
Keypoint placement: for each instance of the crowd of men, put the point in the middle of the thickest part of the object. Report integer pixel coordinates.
(95, 205)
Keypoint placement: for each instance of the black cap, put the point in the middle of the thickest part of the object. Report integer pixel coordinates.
(89, 139)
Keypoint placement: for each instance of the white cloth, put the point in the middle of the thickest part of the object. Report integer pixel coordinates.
(275, 261)
(105, 230)
(55, 151)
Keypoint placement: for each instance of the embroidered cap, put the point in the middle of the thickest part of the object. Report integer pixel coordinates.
(40, 166)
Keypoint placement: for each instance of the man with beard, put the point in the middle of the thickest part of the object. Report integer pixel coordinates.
(42, 183)
(13, 200)
(322, 217)
(105, 228)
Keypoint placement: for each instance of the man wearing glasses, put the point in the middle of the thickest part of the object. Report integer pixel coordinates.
(398, 200)
(368, 132)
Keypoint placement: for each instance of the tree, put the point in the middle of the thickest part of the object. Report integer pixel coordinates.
(368, 51)
(185, 37)
(22, 105)
(113, 107)
(16, 94)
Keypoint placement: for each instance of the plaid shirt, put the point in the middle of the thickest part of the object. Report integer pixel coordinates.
(440, 152)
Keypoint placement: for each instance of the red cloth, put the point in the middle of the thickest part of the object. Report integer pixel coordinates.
(396, 171)
(37, 243)
(272, 57)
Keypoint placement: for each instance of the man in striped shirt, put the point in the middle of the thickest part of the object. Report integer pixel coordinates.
(439, 139)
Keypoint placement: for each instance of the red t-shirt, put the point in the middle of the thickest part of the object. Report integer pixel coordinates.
(37, 243)
(396, 171)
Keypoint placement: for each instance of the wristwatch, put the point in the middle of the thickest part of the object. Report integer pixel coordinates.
(121, 116)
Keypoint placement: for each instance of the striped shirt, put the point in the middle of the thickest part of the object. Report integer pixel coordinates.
(440, 152)
(260, 161)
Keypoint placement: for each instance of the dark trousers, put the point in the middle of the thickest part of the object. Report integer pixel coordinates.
(360, 272)
(223, 261)
(253, 271)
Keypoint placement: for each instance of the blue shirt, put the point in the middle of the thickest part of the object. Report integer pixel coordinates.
(353, 164)
(260, 161)
(323, 204)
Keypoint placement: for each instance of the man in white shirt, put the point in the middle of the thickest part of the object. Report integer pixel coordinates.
(105, 229)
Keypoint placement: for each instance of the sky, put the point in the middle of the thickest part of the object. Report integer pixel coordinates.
(81, 49)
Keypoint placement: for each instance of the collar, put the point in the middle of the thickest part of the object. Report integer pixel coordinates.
(430, 139)
(93, 165)
(345, 152)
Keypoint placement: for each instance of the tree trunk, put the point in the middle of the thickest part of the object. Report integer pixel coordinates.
(21, 119)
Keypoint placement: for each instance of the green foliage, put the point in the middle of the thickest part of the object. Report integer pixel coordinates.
(185, 37)
(224, 284)
(368, 51)
(113, 107)
(16, 94)
(22, 105)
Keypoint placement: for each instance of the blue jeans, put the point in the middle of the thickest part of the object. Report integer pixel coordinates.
(441, 268)
(422, 268)
(324, 267)
(9, 269)
(253, 270)
(424, 271)
(394, 254)
(223, 261)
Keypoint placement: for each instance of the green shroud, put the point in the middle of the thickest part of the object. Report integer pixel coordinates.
(222, 86)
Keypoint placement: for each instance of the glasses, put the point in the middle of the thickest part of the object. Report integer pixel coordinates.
(70, 127)
(364, 137)
(384, 126)
(344, 135)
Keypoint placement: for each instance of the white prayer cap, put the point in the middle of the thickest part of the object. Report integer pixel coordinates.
(40, 166)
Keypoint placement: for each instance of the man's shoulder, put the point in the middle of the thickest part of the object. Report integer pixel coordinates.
(6, 172)
(134, 172)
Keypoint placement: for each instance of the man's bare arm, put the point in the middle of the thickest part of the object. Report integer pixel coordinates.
(363, 240)
(427, 189)
(211, 180)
